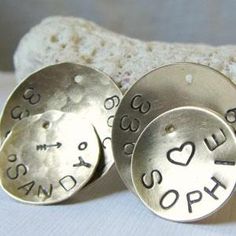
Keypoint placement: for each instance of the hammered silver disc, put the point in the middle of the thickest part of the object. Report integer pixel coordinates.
(183, 165)
(47, 158)
(168, 87)
(70, 88)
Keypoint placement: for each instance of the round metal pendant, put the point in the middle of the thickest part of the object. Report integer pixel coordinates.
(48, 157)
(70, 88)
(183, 84)
(183, 165)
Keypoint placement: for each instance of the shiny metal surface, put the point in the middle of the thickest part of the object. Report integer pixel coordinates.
(70, 88)
(49, 157)
(183, 165)
(168, 87)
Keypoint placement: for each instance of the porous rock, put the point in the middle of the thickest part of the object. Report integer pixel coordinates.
(68, 39)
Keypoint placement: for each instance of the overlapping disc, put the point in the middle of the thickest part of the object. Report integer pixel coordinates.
(183, 165)
(70, 88)
(168, 87)
(47, 158)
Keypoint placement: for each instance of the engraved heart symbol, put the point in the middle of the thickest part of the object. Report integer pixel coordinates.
(182, 155)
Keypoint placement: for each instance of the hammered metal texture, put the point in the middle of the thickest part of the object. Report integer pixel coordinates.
(70, 88)
(183, 165)
(48, 157)
(168, 87)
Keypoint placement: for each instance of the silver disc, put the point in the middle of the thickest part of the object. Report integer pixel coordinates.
(176, 85)
(47, 158)
(70, 88)
(183, 165)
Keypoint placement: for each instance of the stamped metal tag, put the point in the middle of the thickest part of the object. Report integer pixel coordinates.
(183, 165)
(168, 87)
(70, 88)
(47, 158)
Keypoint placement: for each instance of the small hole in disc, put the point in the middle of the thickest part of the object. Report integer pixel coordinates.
(230, 116)
(78, 79)
(46, 124)
(169, 129)
(189, 79)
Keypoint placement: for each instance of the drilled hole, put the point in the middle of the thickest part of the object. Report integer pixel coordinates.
(230, 117)
(169, 129)
(46, 124)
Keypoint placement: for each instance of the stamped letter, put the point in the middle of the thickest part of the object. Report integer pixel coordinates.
(27, 187)
(171, 201)
(193, 197)
(215, 140)
(212, 191)
(68, 182)
(155, 177)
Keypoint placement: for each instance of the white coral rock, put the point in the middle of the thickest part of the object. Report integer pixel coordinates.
(68, 39)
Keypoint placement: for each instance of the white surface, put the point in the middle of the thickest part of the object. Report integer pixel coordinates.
(106, 208)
